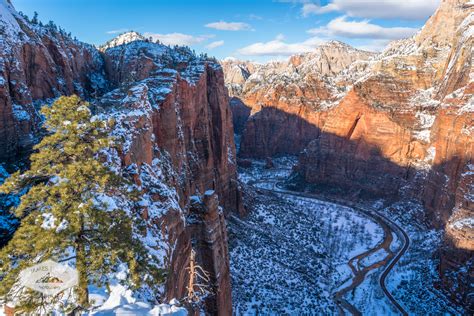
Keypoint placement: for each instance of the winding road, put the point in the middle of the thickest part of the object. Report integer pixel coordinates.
(359, 273)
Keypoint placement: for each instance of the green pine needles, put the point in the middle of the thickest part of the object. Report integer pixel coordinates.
(62, 217)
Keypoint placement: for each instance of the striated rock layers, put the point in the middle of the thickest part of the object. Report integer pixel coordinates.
(397, 124)
(407, 125)
(171, 113)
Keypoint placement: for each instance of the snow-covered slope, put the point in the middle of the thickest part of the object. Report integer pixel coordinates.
(123, 38)
(8, 23)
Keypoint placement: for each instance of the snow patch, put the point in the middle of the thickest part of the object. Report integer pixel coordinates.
(465, 223)
(20, 113)
(8, 24)
(121, 302)
(468, 107)
(48, 221)
(122, 39)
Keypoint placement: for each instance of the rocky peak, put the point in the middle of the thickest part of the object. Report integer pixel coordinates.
(438, 35)
(329, 58)
(236, 70)
(122, 39)
(309, 77)
(440, 28)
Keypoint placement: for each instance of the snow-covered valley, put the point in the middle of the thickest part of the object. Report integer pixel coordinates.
(295, 254)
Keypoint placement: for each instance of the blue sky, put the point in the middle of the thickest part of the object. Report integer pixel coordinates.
(256, 30)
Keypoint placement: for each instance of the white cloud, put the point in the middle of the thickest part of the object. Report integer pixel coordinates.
(311, 8)
(214, 44)
(229, 26)
(278, 47)
(178, 38)
(362, 29)
(404, 9)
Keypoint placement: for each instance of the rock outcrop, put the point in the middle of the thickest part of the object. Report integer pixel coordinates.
(172, 116)
(207, 226)
(236, 72)
(180, 115)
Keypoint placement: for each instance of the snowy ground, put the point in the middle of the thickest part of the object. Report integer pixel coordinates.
(290, 255)
(412, 279)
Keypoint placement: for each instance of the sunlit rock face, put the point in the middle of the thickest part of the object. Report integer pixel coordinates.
(303, 87)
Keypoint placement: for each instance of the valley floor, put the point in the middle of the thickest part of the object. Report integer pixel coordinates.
(290, 255)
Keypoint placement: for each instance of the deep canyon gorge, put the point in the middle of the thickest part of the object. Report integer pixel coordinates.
(340, 181)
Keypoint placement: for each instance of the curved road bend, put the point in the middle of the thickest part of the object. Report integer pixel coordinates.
(389, 261)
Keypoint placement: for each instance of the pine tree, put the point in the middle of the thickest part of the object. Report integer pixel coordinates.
(62, 216)
(35, 18)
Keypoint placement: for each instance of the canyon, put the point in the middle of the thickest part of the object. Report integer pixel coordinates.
(321, 138)
(396, 125)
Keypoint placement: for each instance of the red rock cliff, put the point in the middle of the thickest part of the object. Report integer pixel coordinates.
(173, 113)
(38, 63)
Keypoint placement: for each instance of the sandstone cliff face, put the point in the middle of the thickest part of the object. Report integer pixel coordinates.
(38, 63)
(176, 122)
(414, 112)
(172, 115)
(240, 114)
(403, 122)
